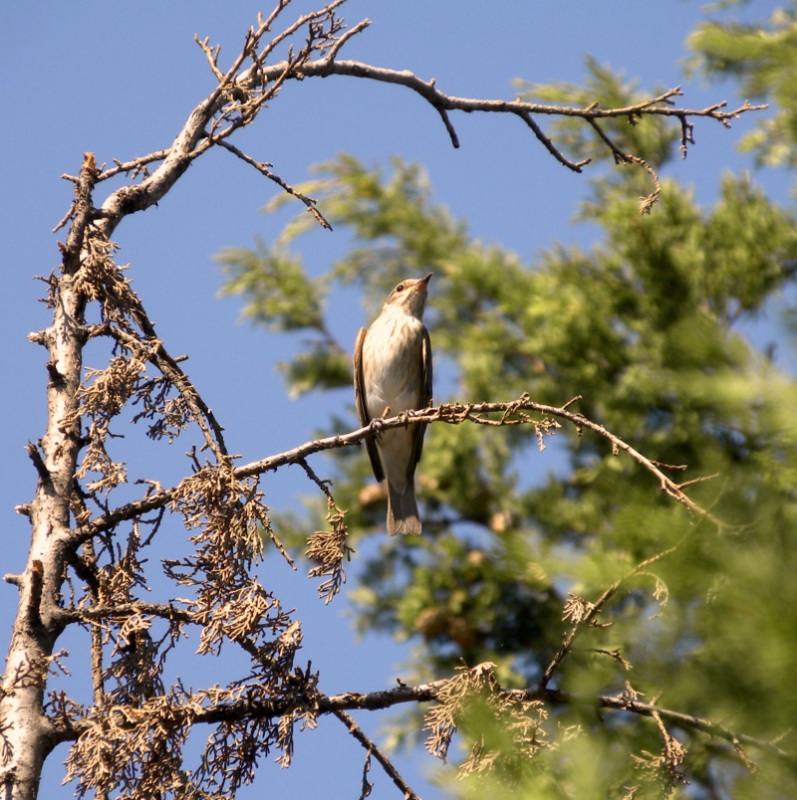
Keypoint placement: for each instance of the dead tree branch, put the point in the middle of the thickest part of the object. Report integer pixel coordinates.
(514, 412)
(229, 711)
(242, 92)
(357, 732)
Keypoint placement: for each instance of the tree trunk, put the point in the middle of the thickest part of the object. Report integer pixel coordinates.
(28, 735)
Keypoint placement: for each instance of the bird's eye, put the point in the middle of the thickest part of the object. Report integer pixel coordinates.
(400, 287)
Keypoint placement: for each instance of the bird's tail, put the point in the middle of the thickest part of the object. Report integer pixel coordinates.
(402, 510)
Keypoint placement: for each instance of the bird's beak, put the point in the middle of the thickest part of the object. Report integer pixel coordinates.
(425, 281)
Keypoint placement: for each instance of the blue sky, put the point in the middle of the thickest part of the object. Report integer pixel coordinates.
(119, 79)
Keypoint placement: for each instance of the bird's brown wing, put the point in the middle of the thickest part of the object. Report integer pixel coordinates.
(362, 408)
(425, 399)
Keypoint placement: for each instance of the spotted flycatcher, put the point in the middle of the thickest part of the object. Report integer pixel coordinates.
(393, 373)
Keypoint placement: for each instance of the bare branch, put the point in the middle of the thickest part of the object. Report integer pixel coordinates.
(583, 613)
(654, 106)
(153, 350)
(647, 202)
(450, 413)
(133, 168)
(371, 748)
(344, 37)
(263, 168)
(690, 722)
(576, 166)
(431, 692)
(241, 93)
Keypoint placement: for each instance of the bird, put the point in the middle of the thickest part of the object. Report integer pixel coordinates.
(393, 374)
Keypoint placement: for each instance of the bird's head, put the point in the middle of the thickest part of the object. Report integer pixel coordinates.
(409, 296)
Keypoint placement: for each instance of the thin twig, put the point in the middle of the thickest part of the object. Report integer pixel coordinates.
(344, 37)
(136, 166)
(591, 612)
(263, 168)
(323, 485)
(152, 349)
(647, 202)
(576, 166)
(357, 732)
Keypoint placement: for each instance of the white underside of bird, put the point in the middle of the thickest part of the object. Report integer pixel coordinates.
(392, 375)
(395, 390)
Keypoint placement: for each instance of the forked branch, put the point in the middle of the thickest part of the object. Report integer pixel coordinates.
(250, 82)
